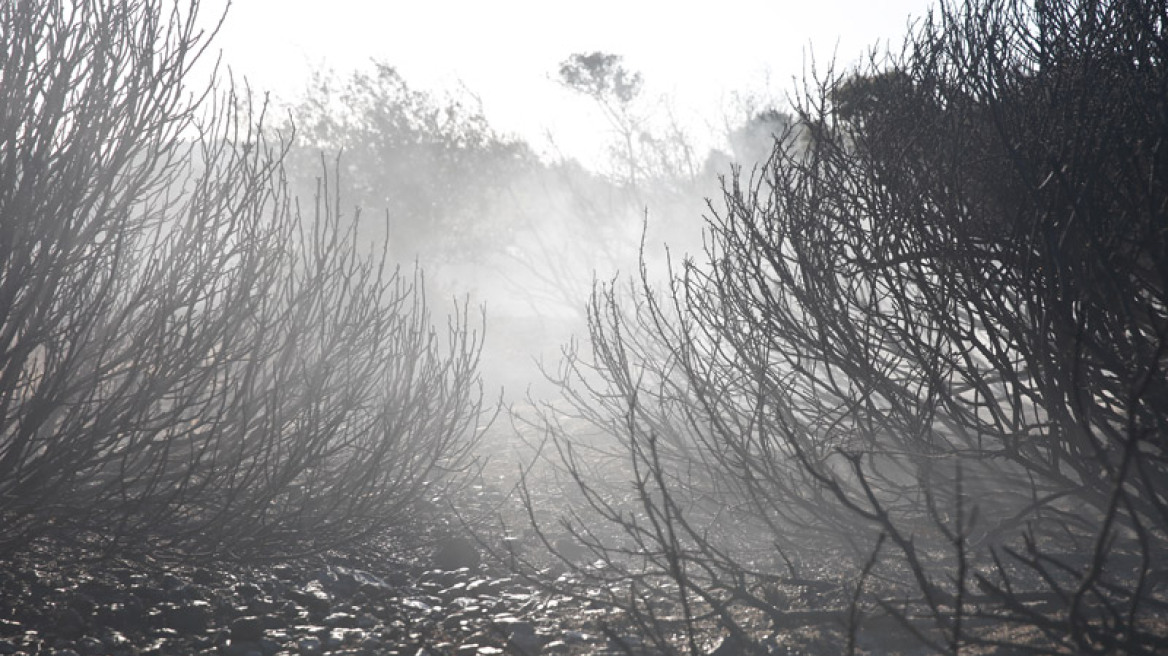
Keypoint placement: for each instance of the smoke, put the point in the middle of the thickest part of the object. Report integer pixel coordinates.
(488, 219)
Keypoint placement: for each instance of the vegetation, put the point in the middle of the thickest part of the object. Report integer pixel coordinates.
(188, 362)
(914, 395)
(928, 342)
(434, 167)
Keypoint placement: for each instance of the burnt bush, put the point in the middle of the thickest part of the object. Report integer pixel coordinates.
(189, 359)
(926, 347)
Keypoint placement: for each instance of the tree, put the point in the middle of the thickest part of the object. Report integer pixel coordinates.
(603, 78)
(433, 167)
(187, 363)
(931, 340)
(653, 166)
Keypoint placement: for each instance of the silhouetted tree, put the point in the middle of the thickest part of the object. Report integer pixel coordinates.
(932, 342)
(652, 163)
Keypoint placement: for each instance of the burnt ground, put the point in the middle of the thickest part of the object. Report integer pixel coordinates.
(479, 581)
(441, 588)
(432, 589)
(54, 602)
(386, 599)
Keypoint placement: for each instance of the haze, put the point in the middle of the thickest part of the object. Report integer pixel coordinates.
(699, 56)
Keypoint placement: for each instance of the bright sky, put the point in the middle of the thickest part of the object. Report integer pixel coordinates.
(696, 54)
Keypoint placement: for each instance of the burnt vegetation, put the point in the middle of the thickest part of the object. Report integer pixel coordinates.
(192, 360)
(926, 345)
(911, 397)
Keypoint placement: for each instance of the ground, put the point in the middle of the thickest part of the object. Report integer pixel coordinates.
(458, 584)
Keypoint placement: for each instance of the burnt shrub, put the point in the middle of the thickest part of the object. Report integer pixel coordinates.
(926, 347)
(191, 360)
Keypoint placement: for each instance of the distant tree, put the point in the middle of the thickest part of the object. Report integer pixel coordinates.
(753, 141)
(434, 168)
(603, 77)
(931, 343)
(651, 161)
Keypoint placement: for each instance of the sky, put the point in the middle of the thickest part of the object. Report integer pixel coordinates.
(699, 60)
